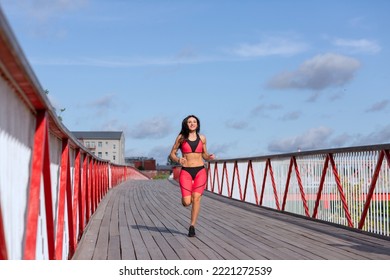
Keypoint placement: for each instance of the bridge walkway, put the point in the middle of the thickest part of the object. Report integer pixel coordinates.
(144, 220)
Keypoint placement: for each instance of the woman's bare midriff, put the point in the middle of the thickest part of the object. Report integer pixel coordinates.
(193, 160)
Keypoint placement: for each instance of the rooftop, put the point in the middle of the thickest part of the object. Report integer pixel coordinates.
(112, 135)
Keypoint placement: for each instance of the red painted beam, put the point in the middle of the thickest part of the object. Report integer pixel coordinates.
(40, 165)
(3, 245)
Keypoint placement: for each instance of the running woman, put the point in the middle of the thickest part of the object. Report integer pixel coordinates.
(193, 175)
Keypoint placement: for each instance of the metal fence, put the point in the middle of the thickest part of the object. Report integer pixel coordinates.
(50, 184)
(346, 186)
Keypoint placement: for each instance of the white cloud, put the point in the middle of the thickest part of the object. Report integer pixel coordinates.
(262, 109)
(292, 116)
(43, 10)
(105, 102)
(312, 139)
(236, 124)
(318, 73)
(358, 46)
(322, 138)
(156, 127)
(380, 136)
(160, 154)
(379, 106)
(271, 46)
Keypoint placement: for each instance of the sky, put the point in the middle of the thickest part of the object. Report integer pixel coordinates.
(264, 77)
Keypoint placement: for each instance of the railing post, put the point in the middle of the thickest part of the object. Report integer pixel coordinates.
(303, 197)
(40, 166)
(3, 244)
(76, 195)
(372, 188)
(64, 194)
(341, 192)
(321, 186)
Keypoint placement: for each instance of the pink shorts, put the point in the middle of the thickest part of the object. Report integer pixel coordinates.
(192, 179)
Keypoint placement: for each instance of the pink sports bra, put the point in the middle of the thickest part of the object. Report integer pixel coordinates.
(188, 146)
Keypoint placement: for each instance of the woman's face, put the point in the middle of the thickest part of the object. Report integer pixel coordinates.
(192, 124)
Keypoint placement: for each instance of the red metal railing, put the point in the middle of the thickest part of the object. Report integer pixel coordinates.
(338, 186)
(50, 184)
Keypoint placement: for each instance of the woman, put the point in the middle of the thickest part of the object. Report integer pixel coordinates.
(193, 175)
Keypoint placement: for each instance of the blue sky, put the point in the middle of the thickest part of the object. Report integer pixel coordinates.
(264, 77)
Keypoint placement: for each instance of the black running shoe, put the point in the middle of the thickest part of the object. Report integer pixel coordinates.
(191, 231)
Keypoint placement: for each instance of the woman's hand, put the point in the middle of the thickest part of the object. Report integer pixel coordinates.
(211, 156)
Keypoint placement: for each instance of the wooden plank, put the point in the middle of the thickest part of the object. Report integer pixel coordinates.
(140, 249)
(114, 252)
(101, 249)
(183, 214)
(145, 220)
(126, 244)
(143, 224)
(87, 244)
(175, 212)
(159, 230)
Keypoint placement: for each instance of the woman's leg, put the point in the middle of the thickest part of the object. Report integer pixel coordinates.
(196, 197)
(198, 188)
(186, 200)
(185, 182)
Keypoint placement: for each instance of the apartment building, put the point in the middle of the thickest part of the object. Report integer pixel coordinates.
(108, 145)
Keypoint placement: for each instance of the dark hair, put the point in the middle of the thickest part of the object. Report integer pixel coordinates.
(185, 131)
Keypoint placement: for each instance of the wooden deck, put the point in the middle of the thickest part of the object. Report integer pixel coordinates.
(143, 220)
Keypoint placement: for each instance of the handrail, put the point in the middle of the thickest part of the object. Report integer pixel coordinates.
(50, 183)
(345, 186)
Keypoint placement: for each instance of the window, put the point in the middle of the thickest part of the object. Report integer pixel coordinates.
(100, 144)
(106, 154)
(113, 157)
(100, 154)
(114, 146)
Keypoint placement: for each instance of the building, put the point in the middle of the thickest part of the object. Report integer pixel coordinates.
(142, 163)
(108, 145)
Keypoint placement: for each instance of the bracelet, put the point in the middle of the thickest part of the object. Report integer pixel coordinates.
(178, 161)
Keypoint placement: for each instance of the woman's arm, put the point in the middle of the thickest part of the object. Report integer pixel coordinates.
(174, 150)
(205, 154)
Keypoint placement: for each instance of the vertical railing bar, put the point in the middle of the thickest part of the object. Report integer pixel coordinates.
(371, 189)
(48, 198)
(233, 177)
(303, 197)
(230, 193)
(76, 196)
(321, 187)
(263, 185)
(247, 177)
(254, 186)
(3, 243)
(218, 183)
(239, 181)
(222, 179)
(340, 189)
(83, 197)
(61, 199)
(35, 185)
(70, 206)
(287, 185)
(271, 172)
